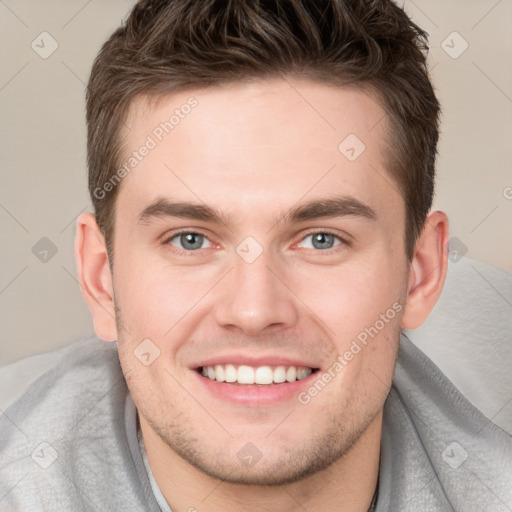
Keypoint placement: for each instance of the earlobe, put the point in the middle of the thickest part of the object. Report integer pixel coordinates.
(94, 275)
(427, 271)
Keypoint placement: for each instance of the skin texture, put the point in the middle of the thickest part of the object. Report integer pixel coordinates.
(253, 152)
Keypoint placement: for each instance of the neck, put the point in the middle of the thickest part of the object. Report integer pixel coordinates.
(346, 485)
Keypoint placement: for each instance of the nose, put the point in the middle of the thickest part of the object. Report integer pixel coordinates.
(255, 298)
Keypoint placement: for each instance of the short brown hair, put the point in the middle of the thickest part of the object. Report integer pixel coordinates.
(166, 46)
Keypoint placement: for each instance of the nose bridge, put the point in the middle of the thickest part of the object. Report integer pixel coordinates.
(254, 298)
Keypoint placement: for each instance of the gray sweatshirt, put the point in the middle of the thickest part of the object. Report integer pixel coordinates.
(69, 442)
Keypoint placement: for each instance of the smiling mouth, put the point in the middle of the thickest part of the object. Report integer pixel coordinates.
(261, 375)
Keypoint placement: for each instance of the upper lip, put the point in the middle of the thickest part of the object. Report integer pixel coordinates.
(251, 360)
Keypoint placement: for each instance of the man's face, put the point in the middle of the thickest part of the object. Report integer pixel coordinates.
(270, 286)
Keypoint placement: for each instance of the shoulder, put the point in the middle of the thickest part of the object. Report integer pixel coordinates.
(65, 416)
(448, 417)
(53, 366)
(435, 438)
(468, 336)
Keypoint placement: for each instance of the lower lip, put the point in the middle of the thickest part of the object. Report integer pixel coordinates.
(254, 395)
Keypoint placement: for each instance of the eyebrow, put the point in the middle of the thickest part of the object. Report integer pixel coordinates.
(165, 208)
(316, 209)
(331, 207)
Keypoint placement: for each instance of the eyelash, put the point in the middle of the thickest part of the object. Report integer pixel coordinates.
(343, 241)
(167, 241)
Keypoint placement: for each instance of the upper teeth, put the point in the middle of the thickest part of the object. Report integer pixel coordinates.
(260, 375)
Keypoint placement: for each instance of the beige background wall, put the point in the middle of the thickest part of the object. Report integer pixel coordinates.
(42, 142)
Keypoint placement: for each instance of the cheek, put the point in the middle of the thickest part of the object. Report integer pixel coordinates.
(153, 298)
(361, 307)
(352, 298)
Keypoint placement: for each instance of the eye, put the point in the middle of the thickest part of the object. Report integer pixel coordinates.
(189, 241)
(320, 240)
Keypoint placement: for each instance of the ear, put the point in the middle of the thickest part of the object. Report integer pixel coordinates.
(427, 271)
(94, 275)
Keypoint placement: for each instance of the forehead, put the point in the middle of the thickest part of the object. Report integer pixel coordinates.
(274, 141)
(244, 109)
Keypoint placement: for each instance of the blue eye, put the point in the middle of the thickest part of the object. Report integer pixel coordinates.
(189, 241)
(321, 241)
